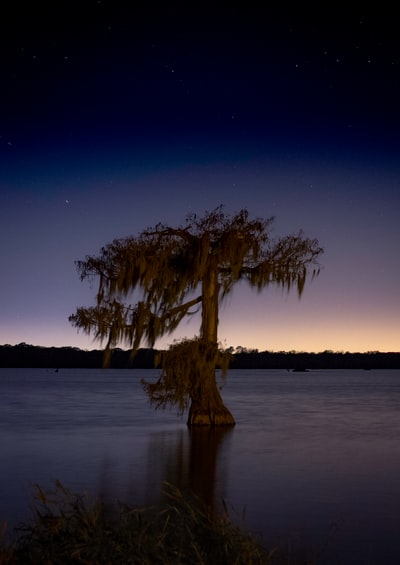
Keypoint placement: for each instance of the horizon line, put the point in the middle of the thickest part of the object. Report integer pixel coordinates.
(244, 349)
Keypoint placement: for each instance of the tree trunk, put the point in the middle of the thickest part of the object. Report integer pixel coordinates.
(207, 408)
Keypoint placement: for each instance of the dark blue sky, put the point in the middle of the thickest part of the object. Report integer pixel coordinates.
(115, 118)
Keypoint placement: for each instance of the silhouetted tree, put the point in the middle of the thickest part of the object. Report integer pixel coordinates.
(167, 266)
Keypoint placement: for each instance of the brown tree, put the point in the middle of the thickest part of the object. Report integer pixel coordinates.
(175, 272)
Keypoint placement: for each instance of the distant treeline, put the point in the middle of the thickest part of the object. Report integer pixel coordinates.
(254, 359)
(29, 356)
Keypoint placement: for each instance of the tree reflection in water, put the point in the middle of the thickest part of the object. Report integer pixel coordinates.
(196, 460)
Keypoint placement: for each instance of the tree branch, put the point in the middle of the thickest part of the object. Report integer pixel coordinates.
(185, 306)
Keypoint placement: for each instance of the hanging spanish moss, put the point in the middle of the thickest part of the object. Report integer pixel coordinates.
(185, 369)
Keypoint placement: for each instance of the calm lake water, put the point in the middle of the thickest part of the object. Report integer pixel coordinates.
(313, 459)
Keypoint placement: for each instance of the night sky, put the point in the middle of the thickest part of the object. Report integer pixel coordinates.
(113, 119)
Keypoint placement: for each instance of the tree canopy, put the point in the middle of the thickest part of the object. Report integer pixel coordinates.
(148, 283)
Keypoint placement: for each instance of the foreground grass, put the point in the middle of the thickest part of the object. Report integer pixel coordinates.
(69, 528)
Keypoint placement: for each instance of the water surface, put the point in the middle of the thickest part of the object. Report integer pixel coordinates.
(314, 457)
